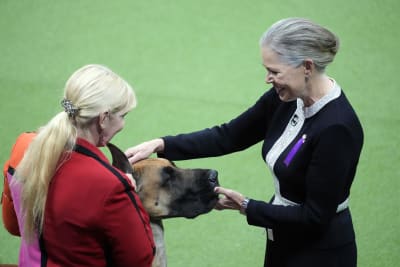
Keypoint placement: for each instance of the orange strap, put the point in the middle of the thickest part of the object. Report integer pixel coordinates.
(9, 217)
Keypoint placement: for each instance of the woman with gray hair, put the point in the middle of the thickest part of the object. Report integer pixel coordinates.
(312, 140)
(84, 211)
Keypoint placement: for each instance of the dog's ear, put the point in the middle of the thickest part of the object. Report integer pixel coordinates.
(119, 160)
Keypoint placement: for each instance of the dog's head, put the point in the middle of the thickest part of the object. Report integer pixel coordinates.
(168, 191)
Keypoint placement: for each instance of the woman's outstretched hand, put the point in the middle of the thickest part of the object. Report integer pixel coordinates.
(144, 150)
(230, 200)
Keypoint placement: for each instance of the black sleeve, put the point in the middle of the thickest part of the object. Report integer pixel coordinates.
(328, 180)
(240, 133)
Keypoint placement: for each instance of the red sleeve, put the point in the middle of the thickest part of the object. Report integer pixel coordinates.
(128, 231)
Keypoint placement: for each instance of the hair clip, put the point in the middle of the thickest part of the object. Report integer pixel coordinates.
(71, 110)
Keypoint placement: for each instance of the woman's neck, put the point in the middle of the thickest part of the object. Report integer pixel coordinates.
(89, 135)
(317, 88)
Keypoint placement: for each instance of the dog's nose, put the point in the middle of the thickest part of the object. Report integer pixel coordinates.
(213, 178)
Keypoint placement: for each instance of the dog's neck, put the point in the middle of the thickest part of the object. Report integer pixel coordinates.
(160, 259)
(120, 161)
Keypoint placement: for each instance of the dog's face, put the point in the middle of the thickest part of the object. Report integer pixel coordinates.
(168, 191)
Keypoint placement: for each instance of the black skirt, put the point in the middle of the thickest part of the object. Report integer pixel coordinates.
(278, 256)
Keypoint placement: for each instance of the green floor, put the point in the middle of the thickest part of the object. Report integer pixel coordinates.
(194, 64)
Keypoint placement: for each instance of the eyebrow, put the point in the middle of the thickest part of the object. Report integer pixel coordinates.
(269, 68)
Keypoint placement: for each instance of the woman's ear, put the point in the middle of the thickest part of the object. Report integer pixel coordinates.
(308, 65)
(103, 117)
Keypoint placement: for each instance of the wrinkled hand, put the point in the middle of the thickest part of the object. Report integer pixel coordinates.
(144, 150)
(230, 200)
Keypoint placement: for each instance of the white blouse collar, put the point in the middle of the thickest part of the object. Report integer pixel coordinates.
(317, 106)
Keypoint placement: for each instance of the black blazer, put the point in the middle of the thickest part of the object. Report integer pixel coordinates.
(318, 177)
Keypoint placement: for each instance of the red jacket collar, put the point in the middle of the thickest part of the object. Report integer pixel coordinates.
(86, 144)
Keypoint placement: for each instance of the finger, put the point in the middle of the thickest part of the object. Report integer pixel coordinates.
(221, 190)
(227, 203)
(130, 151)
(135, 158)
(228, 193)
(134, 155)
(218, 206)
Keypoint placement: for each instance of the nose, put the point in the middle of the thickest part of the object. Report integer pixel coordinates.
(213, 178)
(269, 78)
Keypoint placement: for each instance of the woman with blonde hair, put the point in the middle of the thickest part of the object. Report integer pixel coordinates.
(84, 211)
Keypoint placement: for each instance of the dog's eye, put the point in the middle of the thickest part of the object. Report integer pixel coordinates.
(167, 176)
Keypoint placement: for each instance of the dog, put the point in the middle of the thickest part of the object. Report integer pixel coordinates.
(167, 191)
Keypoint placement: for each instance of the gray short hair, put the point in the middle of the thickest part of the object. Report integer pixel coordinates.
(297, 39)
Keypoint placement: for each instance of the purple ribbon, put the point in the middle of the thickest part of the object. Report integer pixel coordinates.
(294, 150)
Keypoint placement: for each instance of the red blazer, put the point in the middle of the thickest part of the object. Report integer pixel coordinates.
(91, 218)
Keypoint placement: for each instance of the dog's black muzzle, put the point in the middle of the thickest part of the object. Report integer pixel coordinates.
(213, 178)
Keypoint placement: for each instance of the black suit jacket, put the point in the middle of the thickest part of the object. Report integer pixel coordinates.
(317, 177)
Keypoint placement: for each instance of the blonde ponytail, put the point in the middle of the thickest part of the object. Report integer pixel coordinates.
(47, 151)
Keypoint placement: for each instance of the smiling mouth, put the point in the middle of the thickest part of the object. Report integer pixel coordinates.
(278, 90)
